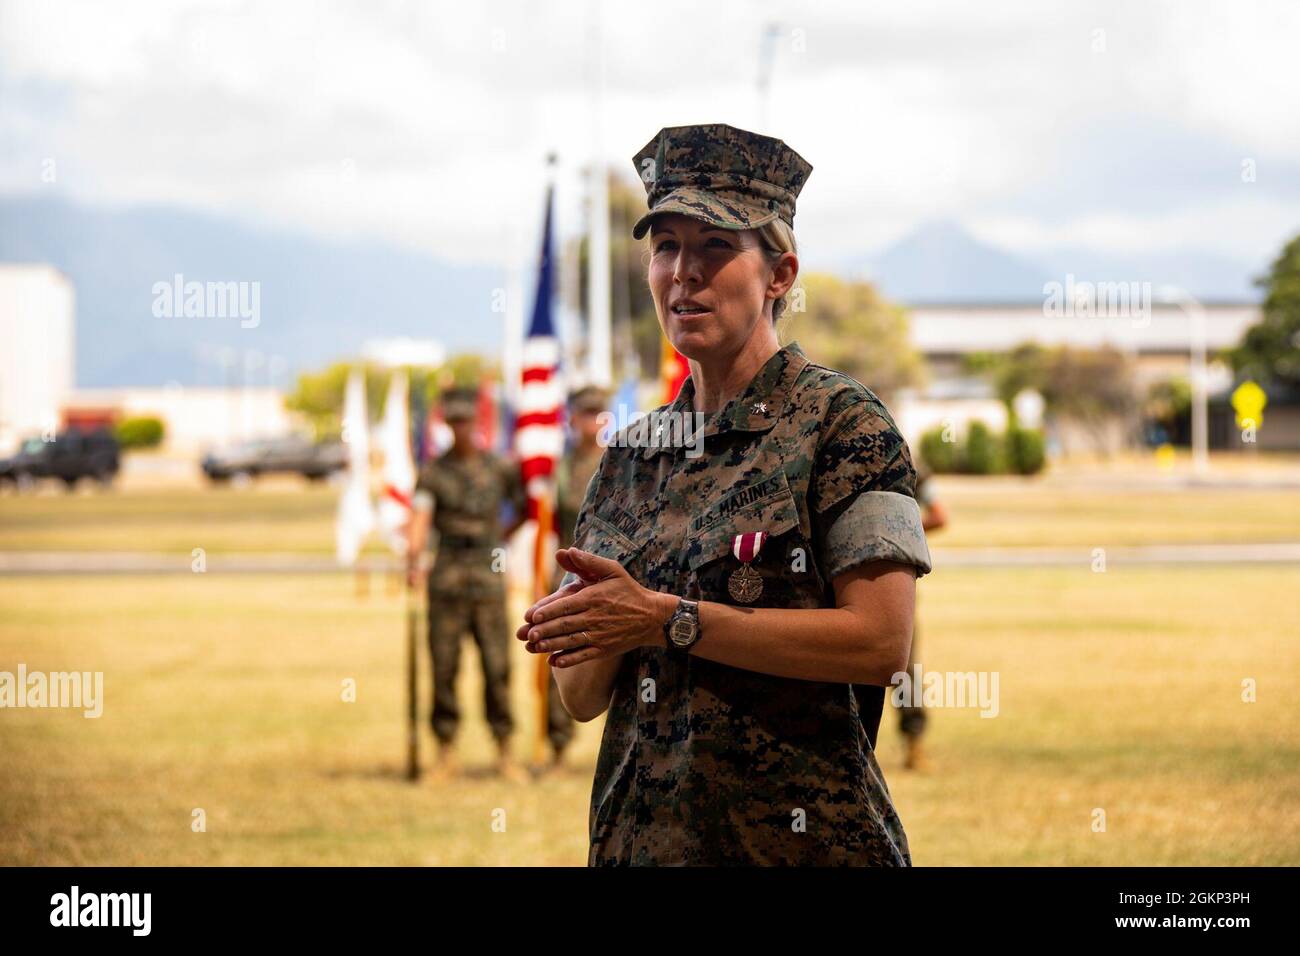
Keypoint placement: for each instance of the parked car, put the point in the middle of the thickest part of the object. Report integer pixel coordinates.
(71, 456)
(290, 454)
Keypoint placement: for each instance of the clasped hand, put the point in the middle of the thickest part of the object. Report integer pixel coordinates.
(604, 613)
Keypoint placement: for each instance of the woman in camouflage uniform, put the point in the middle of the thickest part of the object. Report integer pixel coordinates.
(740, 568)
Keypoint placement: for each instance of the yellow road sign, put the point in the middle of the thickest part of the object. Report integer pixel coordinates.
(1248, 401)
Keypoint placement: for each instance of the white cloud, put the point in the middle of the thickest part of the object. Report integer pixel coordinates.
(428, 124)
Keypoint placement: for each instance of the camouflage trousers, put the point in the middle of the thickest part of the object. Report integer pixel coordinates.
(450, 617)
(559, 725)
(911, 720)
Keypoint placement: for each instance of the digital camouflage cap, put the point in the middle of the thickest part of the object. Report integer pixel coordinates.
(459, 404)
(589, 398)
(722, 175)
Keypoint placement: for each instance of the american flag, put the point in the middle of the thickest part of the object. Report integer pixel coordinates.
(539, 437)
(539, 442)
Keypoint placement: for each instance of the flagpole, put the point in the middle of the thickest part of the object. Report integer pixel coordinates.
(395, 514)
(598, 297)
(514, 320)
(539, 434)
(542, 674)
(412, 683)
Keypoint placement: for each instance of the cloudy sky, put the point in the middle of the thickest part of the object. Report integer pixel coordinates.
(1111, 126)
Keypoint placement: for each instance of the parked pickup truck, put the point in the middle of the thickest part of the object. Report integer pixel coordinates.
(71, 456)
(290, 454)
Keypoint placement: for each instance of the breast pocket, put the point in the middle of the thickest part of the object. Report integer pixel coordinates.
(600, 536)
(783, 565)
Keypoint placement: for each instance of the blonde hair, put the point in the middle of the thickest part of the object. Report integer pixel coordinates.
(777, 238)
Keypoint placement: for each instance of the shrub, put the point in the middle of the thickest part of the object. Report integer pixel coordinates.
(1026, 450)
(1021, 451)
(982, 454)
(139, 432)
(941, 456)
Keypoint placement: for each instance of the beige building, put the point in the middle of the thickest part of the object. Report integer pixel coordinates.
(194, 419)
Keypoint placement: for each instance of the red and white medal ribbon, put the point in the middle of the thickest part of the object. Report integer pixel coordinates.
(746, 584)
(746, 546)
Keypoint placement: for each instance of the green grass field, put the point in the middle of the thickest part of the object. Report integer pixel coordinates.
(1119, 691)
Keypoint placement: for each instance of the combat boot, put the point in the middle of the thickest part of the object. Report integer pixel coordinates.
(915, 758)
(554, 766)
(446, 766)
(506, 767)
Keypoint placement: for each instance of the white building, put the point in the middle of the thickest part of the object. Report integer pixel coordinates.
(37, 319)
(194, 419)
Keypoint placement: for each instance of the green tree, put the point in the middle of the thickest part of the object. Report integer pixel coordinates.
(1270, 350)
(1024, 367)
(318, 396)
(1090, 387)
(851, 327)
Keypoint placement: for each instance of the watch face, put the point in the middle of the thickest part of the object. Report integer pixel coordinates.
(682, 631)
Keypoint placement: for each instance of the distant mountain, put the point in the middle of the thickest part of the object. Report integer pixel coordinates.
(940, 262)
(319, 300)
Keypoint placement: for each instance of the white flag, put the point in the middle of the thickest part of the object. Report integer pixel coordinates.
(356, 514)
(399, 469)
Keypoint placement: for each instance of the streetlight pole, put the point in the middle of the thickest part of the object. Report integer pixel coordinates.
(598, 250)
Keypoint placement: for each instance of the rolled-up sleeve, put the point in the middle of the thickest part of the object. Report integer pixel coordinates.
(864, 494)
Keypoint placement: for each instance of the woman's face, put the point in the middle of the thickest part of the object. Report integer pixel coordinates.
(710, 285)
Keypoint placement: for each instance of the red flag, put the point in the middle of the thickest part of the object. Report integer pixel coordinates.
(673, 370)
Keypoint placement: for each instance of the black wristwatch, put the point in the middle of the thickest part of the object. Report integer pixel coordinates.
(682, 630)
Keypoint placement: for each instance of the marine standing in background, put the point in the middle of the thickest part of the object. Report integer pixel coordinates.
(460, 495)
(911, 720)
(572, 476)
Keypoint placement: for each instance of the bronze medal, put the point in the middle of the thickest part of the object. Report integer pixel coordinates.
(745, 584)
